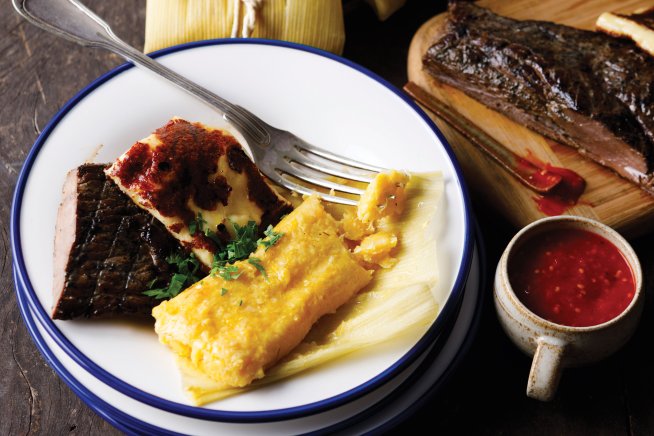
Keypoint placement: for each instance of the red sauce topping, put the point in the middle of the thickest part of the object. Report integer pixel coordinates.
(564, 195)
(181, 168)
(572, 277)
(176, 228)
(543, 178)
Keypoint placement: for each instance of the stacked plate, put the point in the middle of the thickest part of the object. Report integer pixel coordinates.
(118, 368)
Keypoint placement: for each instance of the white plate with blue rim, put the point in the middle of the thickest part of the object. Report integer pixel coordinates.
(326, 100)
(381, 410)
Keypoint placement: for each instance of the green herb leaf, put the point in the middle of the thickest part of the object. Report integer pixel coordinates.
(218, 262)
(213, 236)
(244, 243)
(256, 262)
(199, 224)
(239, 248)
(159, 293)
(176, 284)
(271, 237)
(223, 291)
(196, 225)
(186, 275)
(229, 272)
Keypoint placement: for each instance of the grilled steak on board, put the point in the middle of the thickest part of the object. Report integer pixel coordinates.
(581, 88)
(107, 250)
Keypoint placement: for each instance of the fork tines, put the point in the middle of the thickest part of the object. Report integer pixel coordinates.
(322, 168)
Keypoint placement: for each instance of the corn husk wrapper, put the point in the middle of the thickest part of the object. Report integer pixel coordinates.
(318, 23)
(385, 8)
(399, 301)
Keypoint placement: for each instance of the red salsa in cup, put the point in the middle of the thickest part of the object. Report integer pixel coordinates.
(572, 277)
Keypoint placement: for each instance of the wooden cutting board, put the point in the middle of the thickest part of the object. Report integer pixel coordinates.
(607, 197)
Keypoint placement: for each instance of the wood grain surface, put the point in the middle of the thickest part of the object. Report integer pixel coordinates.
(38, 74)
(608, 197)
(486, 394)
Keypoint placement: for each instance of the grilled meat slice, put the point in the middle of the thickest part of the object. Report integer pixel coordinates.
(107, 250)
(581, 88)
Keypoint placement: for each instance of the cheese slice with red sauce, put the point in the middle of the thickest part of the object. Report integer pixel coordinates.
(198, 182)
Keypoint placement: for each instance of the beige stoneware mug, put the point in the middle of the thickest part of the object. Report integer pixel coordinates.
(555, 346)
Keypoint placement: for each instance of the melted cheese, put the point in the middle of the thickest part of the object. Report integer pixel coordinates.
(240, 208)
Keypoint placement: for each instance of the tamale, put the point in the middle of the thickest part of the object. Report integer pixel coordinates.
(232, 330)
(318, 23)
(399, 302)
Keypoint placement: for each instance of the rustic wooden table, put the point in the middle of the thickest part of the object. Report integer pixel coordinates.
(39, 73)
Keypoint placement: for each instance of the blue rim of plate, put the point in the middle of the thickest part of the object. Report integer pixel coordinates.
(222, 415)
(132, 425)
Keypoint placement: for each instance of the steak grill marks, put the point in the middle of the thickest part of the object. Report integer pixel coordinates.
(581, 88)
(117, 250)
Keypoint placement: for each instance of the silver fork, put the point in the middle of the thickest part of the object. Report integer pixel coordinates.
(279, 154)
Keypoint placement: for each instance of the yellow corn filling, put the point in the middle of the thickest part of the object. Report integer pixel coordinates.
(234, 335)
(227, 334)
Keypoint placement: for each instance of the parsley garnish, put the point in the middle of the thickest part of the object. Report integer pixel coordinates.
(229, 272)
(244, 243)
(271, 237)
(213, 236)
(197, 225)
(187, 267)
(256, 262)
(218, 263)
(238, 249)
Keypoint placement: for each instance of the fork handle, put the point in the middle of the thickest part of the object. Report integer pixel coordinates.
(73, 21)
(231, 112)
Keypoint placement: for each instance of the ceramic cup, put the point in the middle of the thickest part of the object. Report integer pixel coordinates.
(555, 346)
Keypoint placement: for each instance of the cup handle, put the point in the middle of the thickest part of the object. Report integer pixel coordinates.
(546, 368)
